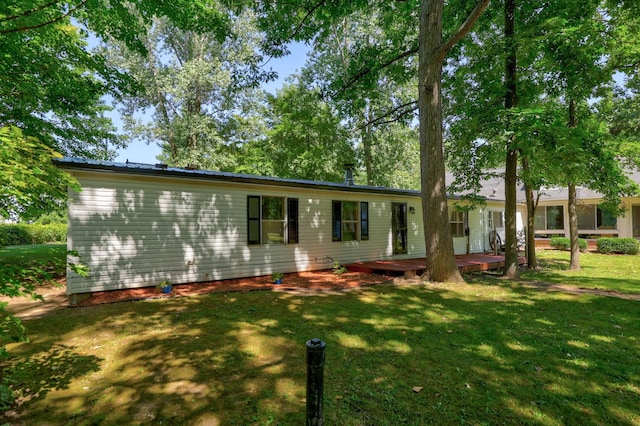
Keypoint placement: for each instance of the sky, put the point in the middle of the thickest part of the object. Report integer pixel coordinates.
(140, 152)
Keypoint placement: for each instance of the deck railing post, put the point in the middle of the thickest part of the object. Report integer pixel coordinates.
(315, 382)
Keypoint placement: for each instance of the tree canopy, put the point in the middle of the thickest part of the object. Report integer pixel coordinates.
(52, 86)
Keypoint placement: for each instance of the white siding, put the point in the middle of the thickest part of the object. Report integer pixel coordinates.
(624, 226)
(135, 231)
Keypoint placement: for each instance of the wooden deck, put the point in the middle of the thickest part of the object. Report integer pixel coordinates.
(413, 267)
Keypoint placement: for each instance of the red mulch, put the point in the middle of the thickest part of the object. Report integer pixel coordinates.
(302, 281)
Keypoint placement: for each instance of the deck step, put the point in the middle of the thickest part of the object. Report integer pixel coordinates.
(414, 267)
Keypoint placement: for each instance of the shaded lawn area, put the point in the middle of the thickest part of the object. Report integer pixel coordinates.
(491, 352)
(610, 272)
(34, 255)
(27, 266)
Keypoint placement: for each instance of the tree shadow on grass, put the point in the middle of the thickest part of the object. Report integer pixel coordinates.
(499, 355)
(53, 368)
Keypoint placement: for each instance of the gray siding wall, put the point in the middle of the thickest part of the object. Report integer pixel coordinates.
(135, 231)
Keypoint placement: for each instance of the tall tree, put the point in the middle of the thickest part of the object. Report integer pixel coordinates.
(299, 21)
(511, 167)
(306, 139)
(200, 91)
(51, 85)
(575, 42)
(561, 59)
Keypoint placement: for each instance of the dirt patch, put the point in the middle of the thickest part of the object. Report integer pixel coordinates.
(26, 307)
(580, 290)
(302, 282)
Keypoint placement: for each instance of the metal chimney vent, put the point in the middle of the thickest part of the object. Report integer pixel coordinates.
(348, 174)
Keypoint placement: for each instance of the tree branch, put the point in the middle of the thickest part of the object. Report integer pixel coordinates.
(354, 79)
(379, 120)
(309, 12)
(44, 24)
(29, 12)
(465, 27)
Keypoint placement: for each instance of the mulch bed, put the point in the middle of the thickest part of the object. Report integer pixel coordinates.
(302, 281)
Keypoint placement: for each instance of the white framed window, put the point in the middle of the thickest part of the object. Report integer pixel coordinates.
(272, 220)
(350, 220)
(549, 218)
(591, 216)
(457, 223)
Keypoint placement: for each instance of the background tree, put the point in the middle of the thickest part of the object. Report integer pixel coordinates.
(397, 56)
(51, 85)
(305, 140)
(381, 113)
(201, 92)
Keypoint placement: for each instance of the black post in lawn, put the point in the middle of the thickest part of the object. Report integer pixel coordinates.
(315, 382)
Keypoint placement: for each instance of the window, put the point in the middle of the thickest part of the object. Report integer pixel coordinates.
(591, 216)
(267, 222)
(495, 219)
(457, 223)
(606, 220)
(350, 220)
(586, 216)
(549, 217)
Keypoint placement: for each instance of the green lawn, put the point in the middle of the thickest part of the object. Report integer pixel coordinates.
(489, 352)
(605, 272)
(24, 268)
(25, 254)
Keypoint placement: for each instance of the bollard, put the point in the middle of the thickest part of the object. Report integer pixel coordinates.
(315, 382)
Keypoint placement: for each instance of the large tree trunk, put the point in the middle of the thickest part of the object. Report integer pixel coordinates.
(530, 237)
(511, 169)
(441, 263)
(574, 264)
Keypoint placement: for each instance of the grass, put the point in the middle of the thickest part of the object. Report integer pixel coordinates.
(31, 265)
(33, 254)
(610, 272)
(489, 352)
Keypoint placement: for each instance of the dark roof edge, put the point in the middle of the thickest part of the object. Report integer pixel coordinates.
(70, 163)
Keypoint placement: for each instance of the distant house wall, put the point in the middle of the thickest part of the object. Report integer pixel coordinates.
(623, 227)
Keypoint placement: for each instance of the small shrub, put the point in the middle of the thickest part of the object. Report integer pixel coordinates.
(52, 233)
(564, 243)
(618, 245)
(339, 269)
(51, 217)
(21, 233)
(14, 235)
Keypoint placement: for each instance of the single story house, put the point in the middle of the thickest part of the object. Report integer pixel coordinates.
(552, 218)
(135, 225)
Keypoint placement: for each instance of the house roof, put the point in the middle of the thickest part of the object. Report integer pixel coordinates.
(492, 188)
(70, 163)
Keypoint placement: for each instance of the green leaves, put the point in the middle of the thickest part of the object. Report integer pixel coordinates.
(29, 182)
(307, 139)
(201, 90)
